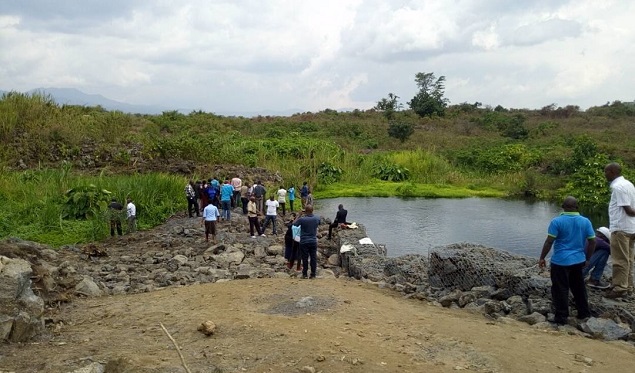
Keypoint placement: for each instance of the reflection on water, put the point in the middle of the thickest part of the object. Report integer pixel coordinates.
(415, 225)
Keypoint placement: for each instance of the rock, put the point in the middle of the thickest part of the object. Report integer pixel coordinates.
(501, 294)
(604, 328)
(224, 260)
(517, 306)
(482, 291)
(88, 288)
(181, 259)
(6, 323)
(533, 319)
(453, 297)
(466, 298)
(208, 328)
(334, 260)
(275, 250)
(325, 273)
(307, 369)
(539, 305)
(92, 368)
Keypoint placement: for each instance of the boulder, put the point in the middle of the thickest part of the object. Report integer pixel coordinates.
(605, 328)
(88, 288)
(224, 260)
(334, 260)
(275, 250)
(533, 319)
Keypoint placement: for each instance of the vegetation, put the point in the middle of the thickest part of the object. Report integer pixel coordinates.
(61, 164)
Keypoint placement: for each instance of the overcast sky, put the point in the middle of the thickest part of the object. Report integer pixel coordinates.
(309, 55)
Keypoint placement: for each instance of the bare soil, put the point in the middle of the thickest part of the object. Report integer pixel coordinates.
(269, 325)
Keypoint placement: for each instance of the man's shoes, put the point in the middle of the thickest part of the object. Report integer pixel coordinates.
(597, 284)
(615, 294)
(253, 236)
(263, 235)
(304, 277)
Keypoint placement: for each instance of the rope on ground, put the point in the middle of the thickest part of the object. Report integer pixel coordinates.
(178, 349)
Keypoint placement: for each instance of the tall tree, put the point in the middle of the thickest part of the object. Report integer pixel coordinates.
(429, 101)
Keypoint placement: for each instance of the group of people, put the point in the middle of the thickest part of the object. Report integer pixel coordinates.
(578, 249)
(115, 210)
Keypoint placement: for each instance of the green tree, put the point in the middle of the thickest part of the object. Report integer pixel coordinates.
(429, 101)
(400, 130)
(389, 106)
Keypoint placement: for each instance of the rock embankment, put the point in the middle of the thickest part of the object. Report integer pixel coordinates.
(485, 280)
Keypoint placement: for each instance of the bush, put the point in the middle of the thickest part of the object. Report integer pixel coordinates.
(505, 158)
(328, 173)
(85, 201)
(391, 172)
(400, 130)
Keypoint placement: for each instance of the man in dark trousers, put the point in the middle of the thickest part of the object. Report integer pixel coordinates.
(308, 224)
(340, 218)
(573, 242)
(115, 209)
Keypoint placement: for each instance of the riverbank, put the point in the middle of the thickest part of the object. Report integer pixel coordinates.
(107, 309)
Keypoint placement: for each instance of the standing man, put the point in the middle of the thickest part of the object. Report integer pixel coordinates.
(226, 194)
(282, 200)
(291, 192)
(244, 197)
(304, 193)
(272, 214)
(308, 224)
(340, 218)
(131, 211)
(115, 208)
(252, 215)
(210, 216)
(622, 227)
(190, 194)
(259, 192)
(573, 242)
(237, 183)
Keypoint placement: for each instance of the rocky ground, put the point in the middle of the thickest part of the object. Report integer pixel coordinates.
(106, 304)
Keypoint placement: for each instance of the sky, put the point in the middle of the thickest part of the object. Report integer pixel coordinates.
(306, 55)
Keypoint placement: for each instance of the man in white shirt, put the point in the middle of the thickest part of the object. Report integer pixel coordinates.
(210, 217)
(272, 214)
(622, 227)
(131, 209)
(282, 199)
(237, 183)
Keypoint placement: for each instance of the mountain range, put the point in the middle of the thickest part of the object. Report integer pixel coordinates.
(72, 96)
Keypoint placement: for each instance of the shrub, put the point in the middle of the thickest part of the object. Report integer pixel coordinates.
(85, 201)
(391, 172)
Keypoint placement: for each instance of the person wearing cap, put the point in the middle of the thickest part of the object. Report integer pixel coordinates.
(573, 240)
(598, 259)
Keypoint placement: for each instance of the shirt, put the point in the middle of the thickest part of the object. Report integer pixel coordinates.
(189, 191)
(244, 192)
(131, 209)
(291, 194)
(571, 232)
(237, 183)
(252, 209)
(308, 228)
(210, 213)
(226, 192)
(304, 191)
(282, 193)
(271, 207)
(622, 194)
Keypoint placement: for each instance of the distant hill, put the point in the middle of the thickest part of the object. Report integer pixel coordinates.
(72, 96)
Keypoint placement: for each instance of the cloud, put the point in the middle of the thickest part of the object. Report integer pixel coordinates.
(275, 54)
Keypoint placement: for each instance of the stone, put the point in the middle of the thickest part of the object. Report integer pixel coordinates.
(88, 288)
(25, 327)
(453, 297)
(6, 324)
(305, 302)
(208, 328)
(501, 294)
(533, 319)
(181, 259)
(275, 250)
(482, 291)
(605, 328)
(466, 298)
(517, 306)
(91, 368)
(224, 260)
(539, 305)
(334, 260)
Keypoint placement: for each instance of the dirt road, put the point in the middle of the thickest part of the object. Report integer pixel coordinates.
(293, 325)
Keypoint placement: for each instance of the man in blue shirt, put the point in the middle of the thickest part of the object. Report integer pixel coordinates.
(573, 242)
(308, 224)
(210, 216)
(304, 193)
(226, 194)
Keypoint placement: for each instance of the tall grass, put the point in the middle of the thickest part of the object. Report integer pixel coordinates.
(33, 203)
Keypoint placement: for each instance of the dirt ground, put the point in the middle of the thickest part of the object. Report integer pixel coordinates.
(270, 325)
